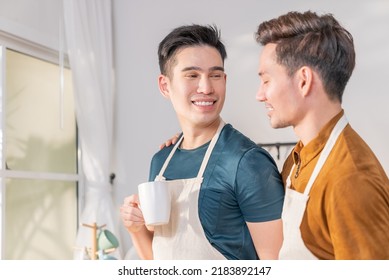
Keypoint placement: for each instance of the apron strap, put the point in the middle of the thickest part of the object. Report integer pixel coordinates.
(160, 177)
(165, 164)
(340, 125)
(209, 150)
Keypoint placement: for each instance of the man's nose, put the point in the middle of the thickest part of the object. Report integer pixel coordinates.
(205, 86)
(260, 95)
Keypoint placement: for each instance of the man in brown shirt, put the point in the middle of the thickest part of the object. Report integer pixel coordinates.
(337, 194)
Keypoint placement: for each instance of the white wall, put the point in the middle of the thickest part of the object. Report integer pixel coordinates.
(145, 119)
(36, 21)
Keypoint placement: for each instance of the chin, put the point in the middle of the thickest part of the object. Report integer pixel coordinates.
(275, 124)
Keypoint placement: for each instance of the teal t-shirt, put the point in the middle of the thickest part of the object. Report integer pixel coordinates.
(241, 184)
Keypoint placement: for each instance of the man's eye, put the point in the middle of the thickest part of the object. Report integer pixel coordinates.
(217, 75)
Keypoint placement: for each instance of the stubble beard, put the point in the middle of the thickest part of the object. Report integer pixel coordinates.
(277, 123)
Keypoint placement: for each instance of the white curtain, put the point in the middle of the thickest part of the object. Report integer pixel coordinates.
(88, 30)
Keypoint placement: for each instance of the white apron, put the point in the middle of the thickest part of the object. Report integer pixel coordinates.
(293, 247)
(183, 237)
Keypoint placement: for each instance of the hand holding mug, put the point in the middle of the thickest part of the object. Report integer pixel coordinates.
(131, 214)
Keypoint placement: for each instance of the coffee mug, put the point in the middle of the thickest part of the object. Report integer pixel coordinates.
(155, 202)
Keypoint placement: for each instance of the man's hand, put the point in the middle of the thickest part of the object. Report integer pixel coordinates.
(170, 141)
(131, 214)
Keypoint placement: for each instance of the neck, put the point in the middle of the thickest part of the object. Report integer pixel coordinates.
(196, 136)
(314, 121)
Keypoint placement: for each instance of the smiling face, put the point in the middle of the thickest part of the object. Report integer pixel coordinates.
(277, 90)
(196, 85)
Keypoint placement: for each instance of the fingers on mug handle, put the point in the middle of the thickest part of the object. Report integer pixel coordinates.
(132, 200)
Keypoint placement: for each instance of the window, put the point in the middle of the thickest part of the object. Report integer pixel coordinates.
(39, 158)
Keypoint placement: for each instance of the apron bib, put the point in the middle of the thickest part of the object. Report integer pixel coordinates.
(183, 237)
(295, 203)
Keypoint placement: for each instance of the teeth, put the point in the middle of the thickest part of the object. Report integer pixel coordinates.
(203, 103)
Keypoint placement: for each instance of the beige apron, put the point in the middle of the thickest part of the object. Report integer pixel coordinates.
(183, 237)
(293, 247)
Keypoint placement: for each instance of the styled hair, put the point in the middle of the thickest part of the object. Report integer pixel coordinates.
(307, 39)
(188, 36)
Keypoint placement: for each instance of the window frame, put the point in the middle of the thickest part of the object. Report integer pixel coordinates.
(9, 41)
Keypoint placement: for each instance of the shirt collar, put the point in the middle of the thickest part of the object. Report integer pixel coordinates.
(315, 146)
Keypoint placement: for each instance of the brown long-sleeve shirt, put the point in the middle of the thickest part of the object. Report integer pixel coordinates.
(347, 214)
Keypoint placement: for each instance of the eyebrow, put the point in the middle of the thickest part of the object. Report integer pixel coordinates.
(214, 68)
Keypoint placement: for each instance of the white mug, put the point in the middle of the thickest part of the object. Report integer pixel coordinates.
(155, 202)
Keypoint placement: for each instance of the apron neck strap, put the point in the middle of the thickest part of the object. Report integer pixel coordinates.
(340, 125)
(205, 159)
(209, 150)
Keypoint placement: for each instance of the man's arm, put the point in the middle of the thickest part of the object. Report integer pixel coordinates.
(260, 194)
(267, 238)
(142, 241)
(133, 220)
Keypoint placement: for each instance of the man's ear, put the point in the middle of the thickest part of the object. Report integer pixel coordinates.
(163, 84)
(305, 80)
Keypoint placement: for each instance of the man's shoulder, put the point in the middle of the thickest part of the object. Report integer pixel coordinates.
(162, 154)
(234, 137)
(234, 144)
